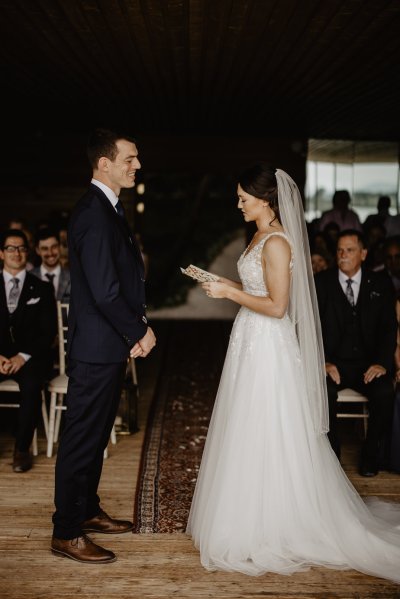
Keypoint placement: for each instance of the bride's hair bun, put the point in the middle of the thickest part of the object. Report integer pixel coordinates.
(260, 181)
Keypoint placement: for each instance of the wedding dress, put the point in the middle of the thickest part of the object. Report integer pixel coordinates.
(271, 495)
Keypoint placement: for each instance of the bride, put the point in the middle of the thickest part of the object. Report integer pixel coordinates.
(271, 495)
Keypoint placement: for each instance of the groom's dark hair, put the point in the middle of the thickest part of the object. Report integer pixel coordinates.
(103, 142)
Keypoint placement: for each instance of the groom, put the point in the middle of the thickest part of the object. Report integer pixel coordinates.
(106, 325)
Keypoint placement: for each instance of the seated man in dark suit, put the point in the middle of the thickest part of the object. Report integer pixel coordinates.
(48, 248)
(357, 311)
(28, 325)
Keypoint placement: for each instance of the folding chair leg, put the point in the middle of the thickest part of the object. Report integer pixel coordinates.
(52, 417)
(34, 443)
(45, 415)
(60, 401)
(113, 436)
(365, 419)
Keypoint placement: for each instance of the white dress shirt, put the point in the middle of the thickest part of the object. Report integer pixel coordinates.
(56, 272)
(107, 191)
(355, 284)
(8, 284)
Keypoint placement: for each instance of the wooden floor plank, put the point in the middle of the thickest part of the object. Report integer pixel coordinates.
(148, 566)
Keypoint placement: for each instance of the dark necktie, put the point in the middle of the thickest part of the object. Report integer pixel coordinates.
(50, 277)
(14, 295)
(120, 209)
(349, 292)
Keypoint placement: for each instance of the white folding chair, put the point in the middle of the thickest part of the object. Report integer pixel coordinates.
(346, 396)
(11, 386)
(58, 386)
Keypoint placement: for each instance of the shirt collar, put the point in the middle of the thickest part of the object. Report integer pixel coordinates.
(56, 271)
(21, 276)
(107, 191)
(356, 278)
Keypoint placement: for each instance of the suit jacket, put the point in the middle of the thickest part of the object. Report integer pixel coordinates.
(376, 306)
(64, 283)
(107, 303)
(33, 326)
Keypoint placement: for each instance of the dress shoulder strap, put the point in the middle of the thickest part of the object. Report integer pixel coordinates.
(282, 234)
(279, 233)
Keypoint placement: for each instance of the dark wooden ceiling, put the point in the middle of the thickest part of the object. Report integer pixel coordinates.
(309, 68)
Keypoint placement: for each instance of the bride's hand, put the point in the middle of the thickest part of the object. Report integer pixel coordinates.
(216, 289)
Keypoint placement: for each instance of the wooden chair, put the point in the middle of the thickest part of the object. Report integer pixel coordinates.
(58, 386)
(11, 386)
(349, 396)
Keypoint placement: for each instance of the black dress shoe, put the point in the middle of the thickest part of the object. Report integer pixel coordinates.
(367, 469)
(22, 461)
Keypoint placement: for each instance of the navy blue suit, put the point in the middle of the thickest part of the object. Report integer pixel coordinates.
(106, 318)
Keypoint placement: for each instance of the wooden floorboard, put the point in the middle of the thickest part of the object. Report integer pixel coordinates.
(148, 566)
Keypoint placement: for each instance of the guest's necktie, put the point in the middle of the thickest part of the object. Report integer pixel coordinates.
(14, 295)
(349, 292)
(50, 277)
(120, 209)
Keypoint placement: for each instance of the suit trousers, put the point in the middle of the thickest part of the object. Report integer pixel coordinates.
(380, 395)
(30, 378)
(92, 402)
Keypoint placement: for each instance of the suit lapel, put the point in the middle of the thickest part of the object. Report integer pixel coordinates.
(363, 302)
(3, 297)
(122, 224)
(26, 293)
(338, 295)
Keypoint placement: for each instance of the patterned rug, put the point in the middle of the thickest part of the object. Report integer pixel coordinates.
(177, 424)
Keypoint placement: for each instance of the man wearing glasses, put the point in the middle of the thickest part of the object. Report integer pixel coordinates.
(28, 325)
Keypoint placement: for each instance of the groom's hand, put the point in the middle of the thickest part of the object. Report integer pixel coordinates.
(135, 351)
(147, 343)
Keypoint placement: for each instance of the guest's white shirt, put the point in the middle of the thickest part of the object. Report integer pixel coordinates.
(56, 272)
(107, 191)
(355, 284)
(8, 283)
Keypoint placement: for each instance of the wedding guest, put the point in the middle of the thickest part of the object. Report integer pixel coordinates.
(341, 214)
(375, 240)
(358, 319)
(50, 269)
(381, 217)
(391, 261)
(319, 261)
(20, 224)
(28, 325)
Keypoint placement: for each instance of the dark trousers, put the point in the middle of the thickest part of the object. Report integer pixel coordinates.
(30, 378)
(92, 402)
(395, 434)
(380, 395)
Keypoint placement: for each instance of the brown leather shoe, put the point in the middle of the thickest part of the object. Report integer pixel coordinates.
(22, 461)
(82, 549)
(103, 523)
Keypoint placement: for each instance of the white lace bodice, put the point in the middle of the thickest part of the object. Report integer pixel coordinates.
(250, 267)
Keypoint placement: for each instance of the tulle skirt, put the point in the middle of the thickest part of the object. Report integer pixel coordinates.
(271, 495)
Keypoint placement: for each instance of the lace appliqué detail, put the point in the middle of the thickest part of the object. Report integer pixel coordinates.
(250, 267)
(250, 325)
